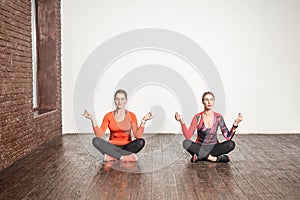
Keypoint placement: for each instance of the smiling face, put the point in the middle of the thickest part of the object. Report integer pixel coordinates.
(208, 101)
(120, 100)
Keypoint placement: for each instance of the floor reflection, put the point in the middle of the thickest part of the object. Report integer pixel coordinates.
(115, 180)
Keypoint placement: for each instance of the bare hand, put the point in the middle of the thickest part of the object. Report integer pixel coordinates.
(178, 117)
(238, 119)
(87, 115)
(148, 116)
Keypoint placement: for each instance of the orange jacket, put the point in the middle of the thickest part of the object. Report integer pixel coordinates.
(120, 132)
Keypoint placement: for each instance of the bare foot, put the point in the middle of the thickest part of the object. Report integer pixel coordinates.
(212, 158)
(129, 158)
(221, 158)
(108, 158)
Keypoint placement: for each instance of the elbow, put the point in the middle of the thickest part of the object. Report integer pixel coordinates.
(187, 136)
(138, 136)
(228, 137)
(139, 133)
(98, 133)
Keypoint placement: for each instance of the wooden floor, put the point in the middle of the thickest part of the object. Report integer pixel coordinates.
(262, 167)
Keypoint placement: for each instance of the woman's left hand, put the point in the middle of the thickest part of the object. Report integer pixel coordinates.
(238, 119)
(148, 116)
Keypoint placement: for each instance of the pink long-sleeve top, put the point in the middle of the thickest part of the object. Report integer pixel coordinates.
(208, 135)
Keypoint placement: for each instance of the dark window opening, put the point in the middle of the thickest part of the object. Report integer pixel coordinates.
(46, 56)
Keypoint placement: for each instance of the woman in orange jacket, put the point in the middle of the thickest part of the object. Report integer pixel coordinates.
(121, 123)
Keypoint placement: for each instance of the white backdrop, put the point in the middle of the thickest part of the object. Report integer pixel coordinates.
(253, 44)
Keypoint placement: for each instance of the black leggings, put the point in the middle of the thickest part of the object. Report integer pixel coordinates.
(203, 150)
(117, 151)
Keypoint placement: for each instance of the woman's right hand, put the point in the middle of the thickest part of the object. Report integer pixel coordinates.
(178, 117)
(87, 115)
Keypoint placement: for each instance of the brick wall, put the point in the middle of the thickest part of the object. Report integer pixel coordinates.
(21, 131)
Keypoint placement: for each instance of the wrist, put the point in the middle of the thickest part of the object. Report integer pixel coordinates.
(143, 121)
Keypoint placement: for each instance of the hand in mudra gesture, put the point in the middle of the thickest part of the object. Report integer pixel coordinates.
(239, 119)
(148, 116)
(178, 117)
(87, 115)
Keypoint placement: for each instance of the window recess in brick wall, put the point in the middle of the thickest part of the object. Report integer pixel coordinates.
(45, 72)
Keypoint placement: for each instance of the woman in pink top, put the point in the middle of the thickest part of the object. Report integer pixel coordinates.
(207, 146)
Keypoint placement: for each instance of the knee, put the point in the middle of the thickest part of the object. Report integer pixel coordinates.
(231, 145)
(96, 141)
(186, 143)
(141, 142)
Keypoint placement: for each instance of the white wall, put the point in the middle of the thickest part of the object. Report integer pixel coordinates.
(253, 44)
